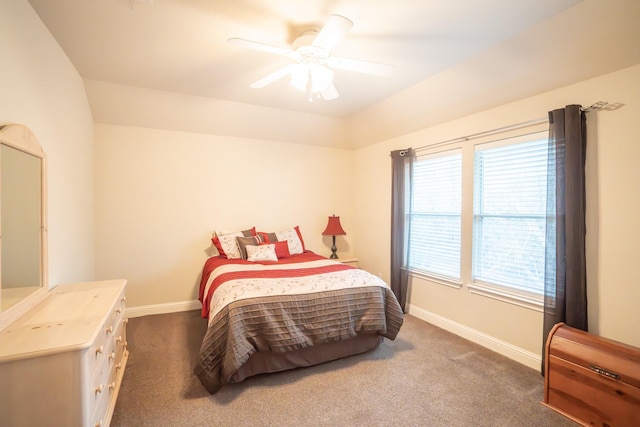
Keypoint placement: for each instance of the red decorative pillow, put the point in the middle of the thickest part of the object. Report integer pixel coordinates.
(282, 248)
(297, 228)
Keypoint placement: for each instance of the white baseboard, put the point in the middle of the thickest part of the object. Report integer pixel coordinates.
(518, 354)
(171, 307)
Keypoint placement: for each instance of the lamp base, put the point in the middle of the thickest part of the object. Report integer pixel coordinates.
(333, 249)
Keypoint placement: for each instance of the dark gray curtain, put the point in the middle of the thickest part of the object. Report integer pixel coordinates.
(565, 293)
(402, 164)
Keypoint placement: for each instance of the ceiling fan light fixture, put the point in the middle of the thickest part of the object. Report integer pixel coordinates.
(321, 77)
(312, 78)
(312, 69)
(300, 76)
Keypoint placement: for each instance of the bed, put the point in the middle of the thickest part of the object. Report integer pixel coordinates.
(287, 312)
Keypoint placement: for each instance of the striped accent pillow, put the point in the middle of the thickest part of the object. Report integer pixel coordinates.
(243, 242)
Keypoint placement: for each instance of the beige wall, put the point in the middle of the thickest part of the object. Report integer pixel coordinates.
(613, 232)
(41, 89)
(160, 194)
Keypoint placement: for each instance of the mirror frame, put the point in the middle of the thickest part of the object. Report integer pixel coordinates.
(21, 138)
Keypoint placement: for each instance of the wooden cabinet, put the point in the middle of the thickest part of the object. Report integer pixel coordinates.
(349, 261)
(61, 364)
(592, 380)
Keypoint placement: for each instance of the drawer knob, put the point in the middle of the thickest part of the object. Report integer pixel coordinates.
(112, 356)
(112, 386)
(118, 366)
(99, 424)
(99, 350)
(123, 299)
(118, 311)
(109, 330)
(99, 389)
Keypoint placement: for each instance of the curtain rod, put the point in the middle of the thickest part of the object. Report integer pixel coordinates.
(597, 106)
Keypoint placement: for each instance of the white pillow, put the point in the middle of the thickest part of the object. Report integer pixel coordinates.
(229, 244)
(291, 236)
(262, 253)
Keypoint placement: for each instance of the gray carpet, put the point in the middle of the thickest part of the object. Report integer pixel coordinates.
(426, 377)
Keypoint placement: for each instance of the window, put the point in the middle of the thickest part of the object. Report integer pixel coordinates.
(435, 215)
(509, 215)
(495, 246)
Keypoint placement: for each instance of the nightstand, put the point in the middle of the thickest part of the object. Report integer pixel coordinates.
(349, 261)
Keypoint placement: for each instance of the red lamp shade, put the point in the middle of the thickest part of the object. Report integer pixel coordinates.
(333, 227)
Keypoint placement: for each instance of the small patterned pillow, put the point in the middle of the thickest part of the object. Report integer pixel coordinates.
(292, 237)
(282, 249)
(262, 253)
(243, 242)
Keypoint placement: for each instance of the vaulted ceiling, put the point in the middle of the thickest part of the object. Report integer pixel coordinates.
(180, 47)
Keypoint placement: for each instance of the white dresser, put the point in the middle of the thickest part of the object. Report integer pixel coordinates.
(61, 364)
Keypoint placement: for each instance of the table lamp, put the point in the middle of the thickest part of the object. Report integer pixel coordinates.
(334, 229)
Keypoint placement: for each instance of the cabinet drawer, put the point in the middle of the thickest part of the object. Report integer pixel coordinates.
(97, 387)
(58, 361)
(106, 400)
(120, 339)
(100, 412)
(96, 353)
(104, 343)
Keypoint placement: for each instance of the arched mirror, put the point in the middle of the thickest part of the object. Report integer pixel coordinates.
(23, 228)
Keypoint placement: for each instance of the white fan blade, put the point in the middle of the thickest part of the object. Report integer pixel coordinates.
(329, 93)
(276, 75)
(332, 32)
(260, 46)
(365, 67)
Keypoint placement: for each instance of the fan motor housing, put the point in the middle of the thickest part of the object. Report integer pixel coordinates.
(306, 53)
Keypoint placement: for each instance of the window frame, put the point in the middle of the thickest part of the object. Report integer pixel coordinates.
(467, 146)
(443, 279)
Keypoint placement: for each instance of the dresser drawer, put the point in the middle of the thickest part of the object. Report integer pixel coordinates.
(103, 381)
(120, 339)
(100, 413)
(106, 402)
(104, 344)
(61, 364)
(97, 387)
(96, 353)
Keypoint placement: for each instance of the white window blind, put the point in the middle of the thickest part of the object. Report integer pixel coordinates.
(435, 215)
(510, 192)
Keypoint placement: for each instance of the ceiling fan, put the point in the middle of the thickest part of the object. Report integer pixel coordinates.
(312, 69)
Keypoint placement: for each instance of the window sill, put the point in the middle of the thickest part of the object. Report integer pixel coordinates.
(437, 279)
(531, 302)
